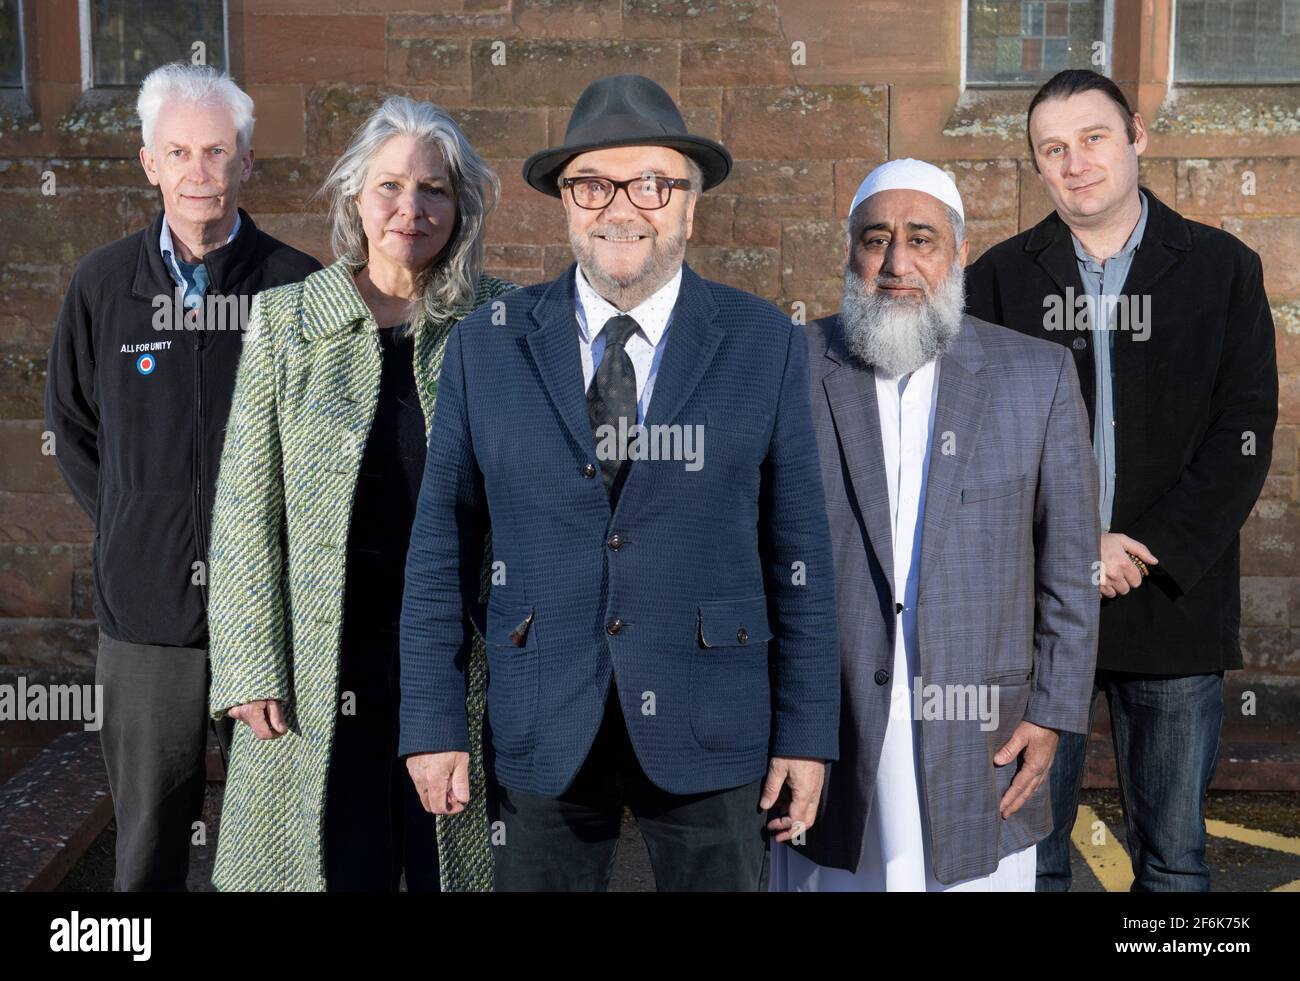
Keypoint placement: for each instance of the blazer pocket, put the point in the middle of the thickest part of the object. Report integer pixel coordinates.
(512, 627)
(734, 623)
(729, 694)
(514, 676)
(986, 492)
(1018, 677)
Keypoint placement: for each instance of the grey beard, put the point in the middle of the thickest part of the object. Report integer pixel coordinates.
(660, 266)
(899, 336)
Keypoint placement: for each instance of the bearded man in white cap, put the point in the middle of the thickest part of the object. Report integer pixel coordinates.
(960, 487)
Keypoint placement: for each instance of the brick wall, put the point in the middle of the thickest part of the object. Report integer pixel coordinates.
(808, 97)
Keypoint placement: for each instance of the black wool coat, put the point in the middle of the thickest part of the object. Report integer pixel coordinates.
(1195, 378)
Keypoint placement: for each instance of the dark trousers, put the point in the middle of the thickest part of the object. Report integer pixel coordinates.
(154, 740)
(1166, 736)
(376, 829)
(698, 842)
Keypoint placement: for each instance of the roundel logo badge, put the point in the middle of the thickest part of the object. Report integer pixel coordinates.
(145, 364)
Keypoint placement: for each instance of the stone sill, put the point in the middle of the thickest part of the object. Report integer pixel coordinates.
(1256, 111)
(106, 111)
(1229, 110)
(998, 112)
(16, 112)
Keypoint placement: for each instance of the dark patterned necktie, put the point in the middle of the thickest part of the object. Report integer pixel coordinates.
(613, 395)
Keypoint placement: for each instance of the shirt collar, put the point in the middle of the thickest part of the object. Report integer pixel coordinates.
(1134, 240)
(168, 250)
(651, 314)
(922, 374)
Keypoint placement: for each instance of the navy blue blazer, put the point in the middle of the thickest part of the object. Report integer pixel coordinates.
(707, 594)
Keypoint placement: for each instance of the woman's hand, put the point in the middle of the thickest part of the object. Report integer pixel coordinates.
(263, 716)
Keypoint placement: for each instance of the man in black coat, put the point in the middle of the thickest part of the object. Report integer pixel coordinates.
(141, 375)
(1173, 341)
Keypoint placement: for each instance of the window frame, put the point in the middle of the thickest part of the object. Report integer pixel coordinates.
(87, 40)
(1176, 82)
(1107, 29)
(24, 76)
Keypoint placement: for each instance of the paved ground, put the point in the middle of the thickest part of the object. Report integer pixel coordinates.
(1254, 845)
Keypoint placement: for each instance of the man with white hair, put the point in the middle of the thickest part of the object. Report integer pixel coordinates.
(141, 374)
(958, 481)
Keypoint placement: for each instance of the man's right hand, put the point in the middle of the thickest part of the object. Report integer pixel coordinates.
(263, 716)
(441, 779)
(1121, 573)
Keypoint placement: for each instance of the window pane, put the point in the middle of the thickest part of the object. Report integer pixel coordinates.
(1028, 41)
(1237, 41)
(11, 46)
(130, 38)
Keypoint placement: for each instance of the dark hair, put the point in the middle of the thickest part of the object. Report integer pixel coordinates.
(1074, 81)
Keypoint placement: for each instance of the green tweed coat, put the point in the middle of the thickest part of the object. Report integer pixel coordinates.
(305, 396)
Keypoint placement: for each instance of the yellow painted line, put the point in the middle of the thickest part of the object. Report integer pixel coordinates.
(1249, 836)
(1289, 887)
(1108, 861)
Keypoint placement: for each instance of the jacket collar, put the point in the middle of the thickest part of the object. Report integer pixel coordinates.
(227, 266)
(1166, 236)
(692, 341)
(959, 411)
(331, 302)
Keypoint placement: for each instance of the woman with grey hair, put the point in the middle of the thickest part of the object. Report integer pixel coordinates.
(316, 494)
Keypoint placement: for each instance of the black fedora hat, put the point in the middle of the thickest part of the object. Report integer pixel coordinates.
(625, 110)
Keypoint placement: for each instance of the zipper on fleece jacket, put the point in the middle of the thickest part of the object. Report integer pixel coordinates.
(199, 469)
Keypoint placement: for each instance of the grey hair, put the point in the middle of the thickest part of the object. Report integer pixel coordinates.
(694, 173)
(954, 220)
(201, 84)
(447, 284)
(958, 225)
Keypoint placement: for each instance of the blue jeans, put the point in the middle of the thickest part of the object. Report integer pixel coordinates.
(1166, 736)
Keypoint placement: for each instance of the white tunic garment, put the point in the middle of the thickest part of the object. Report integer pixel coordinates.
(896, 856)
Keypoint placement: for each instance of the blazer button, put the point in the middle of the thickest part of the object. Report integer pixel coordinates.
(742, 635)
(589, 471)
(615, 542)
(614, 627)
(882, 676)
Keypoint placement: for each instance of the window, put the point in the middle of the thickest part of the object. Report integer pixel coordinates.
(11, 44)
(1019, 42)
(130, 38)
(1237, 41)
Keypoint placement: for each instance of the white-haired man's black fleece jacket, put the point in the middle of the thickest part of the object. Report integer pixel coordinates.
(139, 417)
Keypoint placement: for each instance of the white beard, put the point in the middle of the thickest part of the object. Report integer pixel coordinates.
(898, 336)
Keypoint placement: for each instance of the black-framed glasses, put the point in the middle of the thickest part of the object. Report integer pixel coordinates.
(648, 192)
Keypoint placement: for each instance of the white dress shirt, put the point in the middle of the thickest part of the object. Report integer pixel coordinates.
(896, 853)
(645, 347)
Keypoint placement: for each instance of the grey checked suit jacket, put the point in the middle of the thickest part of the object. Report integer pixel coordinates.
(1006, 597)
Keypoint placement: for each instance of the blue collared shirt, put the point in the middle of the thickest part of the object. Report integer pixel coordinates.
(193, 278)
(1103, 283)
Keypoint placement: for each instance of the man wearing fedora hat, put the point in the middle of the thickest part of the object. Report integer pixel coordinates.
(662, 637)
